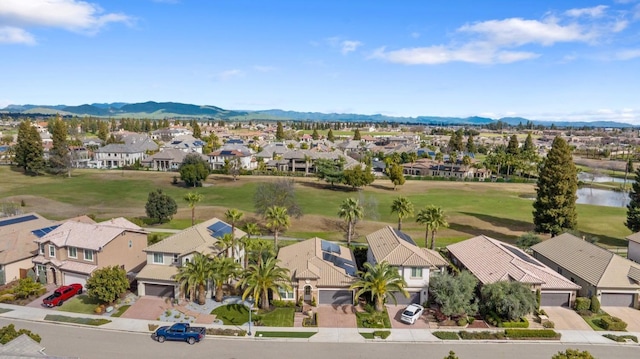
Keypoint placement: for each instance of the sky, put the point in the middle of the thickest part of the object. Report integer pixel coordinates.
(542, 60)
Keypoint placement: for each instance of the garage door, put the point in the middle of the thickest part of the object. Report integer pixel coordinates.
(70, 278)
(158, 290)
(554, 299)
(335, 297)
(414, 297)
(617, 299)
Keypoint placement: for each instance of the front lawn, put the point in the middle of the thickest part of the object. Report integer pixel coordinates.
(232, 314)
(373, 319)
(85, 321)
(594, 320)
(238, 314)
(279, 317)
(80, 304)
(118, 312)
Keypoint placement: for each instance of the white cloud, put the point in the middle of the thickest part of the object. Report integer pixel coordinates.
(14, 35)
(261, 68)
(596, 11)
(415, 34)
(229, 74)
(71, 15)
(628, 54)
(517, 32)
(348, 46)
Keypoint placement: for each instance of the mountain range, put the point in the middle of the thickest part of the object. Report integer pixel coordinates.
(160, 110)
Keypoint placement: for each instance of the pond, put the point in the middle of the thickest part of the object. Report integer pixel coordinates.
(602, 197)
(599, 178)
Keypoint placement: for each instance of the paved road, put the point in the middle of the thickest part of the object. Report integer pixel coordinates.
(83, 342)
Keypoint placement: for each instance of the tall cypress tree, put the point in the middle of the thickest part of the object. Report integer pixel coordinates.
(29, 153)
(633, 208)
(555, 205)
(279, 132)
(59, 156)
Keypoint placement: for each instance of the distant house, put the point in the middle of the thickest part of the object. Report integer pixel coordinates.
(118, 155)
(168, 159)
(491, 261)
(414, 264)
(185, 143)
(240, 153)
(615, 280)
(163, 259)
(71, 252)
(17, 246)
(320, 270)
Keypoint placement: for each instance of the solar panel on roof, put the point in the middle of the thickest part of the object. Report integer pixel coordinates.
(219, 229)
(329, 247)
(11, 221)
(44, 231)
(404, 237)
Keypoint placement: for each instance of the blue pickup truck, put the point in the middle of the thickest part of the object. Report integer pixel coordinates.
(180, 332)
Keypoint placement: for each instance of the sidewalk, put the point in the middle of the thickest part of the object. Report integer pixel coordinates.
(323, 335)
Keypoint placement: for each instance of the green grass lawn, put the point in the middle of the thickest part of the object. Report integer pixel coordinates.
(85, 321)
(232, 314)
(279, 317)
(118, 312)
(238, 314)
(80, 304)
(285, 334)
(373, 320)
(593, 320)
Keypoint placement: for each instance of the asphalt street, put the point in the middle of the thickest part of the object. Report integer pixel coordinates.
(86, 342)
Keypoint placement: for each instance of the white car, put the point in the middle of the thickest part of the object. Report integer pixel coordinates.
(411, 313)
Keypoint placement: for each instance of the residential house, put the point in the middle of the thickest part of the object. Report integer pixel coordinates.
(185, 143)
(414, 264)
(163, 259)
(613, 279)
(168, 159)
(71, 252)
(633, 247)
(17, 246)
(491, 260)
(320, 270)
(117, 155)
(233, 152)
(430, 168)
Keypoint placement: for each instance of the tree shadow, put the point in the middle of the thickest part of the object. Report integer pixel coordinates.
(513, 224)
(379, 186)
(326, 186)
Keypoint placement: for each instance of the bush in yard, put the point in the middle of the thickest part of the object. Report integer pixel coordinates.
(612, 323)
(383, 334)
(27, 287)
(595, 304)
(454, 294)
(462, 322)
(446, 335)
(522, 323)
(582, 303)
(509, 300)
(283, 303)
(107, 284)
(549, 324)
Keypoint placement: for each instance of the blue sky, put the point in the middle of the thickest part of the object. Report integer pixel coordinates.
(546, 60)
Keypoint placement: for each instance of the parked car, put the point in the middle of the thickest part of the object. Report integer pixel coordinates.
(61, 294)
(411, 313)
(180, 332)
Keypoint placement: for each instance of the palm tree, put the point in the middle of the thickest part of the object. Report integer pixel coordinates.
(251, 229)
(258, 280)
(225, 243)
(193, 198)
(381, 280)
(194, 275)
(278, 220)
(439, 158)
(403, 208)
(224, 269)
(351, 211)
(233, 216)
(433, 218)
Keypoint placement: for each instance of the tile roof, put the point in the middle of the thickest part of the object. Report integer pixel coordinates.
(594, 264)
(78, 267)
(92, 236)
(17, 240)
(305, 261)
(491, 260)
(195, 238)
(158, 272)
(634, 237)
(398, 249)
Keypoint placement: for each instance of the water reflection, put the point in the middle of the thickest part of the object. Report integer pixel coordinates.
(602, 197)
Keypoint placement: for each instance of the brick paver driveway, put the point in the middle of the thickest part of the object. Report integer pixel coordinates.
(395, 311)
(629, 315)
(566, 318)
(337, 316)
(147, 307)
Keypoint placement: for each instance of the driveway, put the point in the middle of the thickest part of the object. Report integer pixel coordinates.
(395, 311)
(37, 303)
(337, 316)
(629, 315)
(147, 307)
(565, 318)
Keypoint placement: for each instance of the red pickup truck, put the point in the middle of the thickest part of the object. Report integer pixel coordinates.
(61, 294)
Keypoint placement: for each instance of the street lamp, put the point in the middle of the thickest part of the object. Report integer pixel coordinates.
(250, 310)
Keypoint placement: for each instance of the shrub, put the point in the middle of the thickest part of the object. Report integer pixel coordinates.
(462, 322)
(310, 321)
(621, 338)
(612, 323)
(471, 320)
(531, 334)
(153, 327)
(446, 335)
(283, 303)
(384, 334)
(582, 303)
(522, 323)
(595, 304)
(548, 324)
(485, 335)
(585, 313)
(493, 319)
(226, 332)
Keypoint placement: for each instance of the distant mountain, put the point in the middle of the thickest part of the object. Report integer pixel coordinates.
(159, 110)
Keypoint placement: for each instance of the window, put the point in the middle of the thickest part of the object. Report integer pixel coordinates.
(88, 255)
(130, 243)
(52, 251)
(285, 294)
(559, 270)
(416, 272)
(175, 258)
(158, 258)
(72, 252)
(42, 248)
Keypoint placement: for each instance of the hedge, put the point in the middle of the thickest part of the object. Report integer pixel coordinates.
(384, 334)
(283, 303)
(523, 323)
(582, 303)
(531, 333)
(226, 332)
(446, 335)
(481, 335)
(612, 323)
(621, 338)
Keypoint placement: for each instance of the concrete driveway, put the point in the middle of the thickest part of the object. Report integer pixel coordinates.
(629, 315)
(147, 307)
(395, 311)
(337, 316)
(566, 319)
